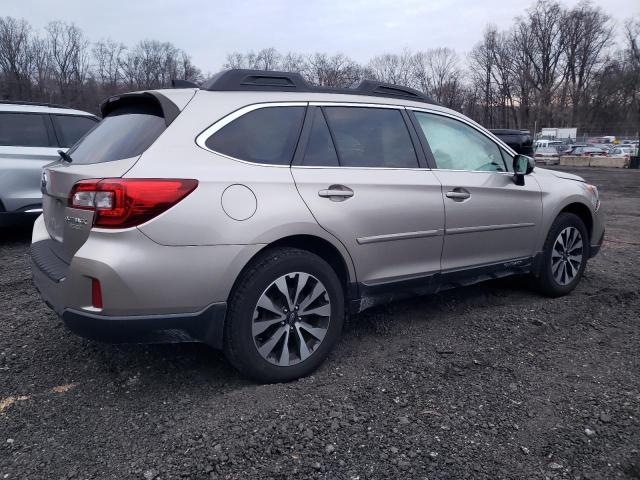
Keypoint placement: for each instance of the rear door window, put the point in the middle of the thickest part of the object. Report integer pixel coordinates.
(127, 131)
(24, 130)
(71, 128)
(371, 137)
(267, 135)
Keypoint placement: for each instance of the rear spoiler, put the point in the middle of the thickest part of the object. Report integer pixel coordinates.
(169, 109)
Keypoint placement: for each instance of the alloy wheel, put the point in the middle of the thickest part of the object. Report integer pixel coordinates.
(567, 255)
(291, 319)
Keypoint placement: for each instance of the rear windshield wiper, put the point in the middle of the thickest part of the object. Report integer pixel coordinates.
(65, 156)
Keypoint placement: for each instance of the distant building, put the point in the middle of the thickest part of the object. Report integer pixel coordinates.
(559, 133)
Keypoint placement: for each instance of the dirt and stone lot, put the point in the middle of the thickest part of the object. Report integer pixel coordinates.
(490, 381)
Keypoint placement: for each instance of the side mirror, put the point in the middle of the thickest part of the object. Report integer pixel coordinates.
(522, 165)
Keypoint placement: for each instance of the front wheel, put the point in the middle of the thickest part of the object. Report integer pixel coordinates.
(564, 256)
(284, 316)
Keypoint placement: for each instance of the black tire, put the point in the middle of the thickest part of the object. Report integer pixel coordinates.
(545, 281)
(239, 346)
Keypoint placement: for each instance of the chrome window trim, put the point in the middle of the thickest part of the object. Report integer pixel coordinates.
(417, 169)
(201, 139)
(355, 104)
(478, 128)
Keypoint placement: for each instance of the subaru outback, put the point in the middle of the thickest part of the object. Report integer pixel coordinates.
(255, 212)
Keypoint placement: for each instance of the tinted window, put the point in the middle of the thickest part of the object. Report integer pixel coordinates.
(126, 132)
(267, 135)
(23, 130)
(320, 150)
(70, 129)
(371, 137)
(456, 146)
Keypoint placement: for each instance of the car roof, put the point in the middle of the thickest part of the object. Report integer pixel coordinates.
(40, 108)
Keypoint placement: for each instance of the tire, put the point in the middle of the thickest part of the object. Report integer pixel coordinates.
(559, 272)
(256, 316)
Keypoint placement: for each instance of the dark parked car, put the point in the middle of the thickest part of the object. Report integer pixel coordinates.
(586, 152)
(519, 140)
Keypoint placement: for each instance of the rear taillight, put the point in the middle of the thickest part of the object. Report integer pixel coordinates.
(127, 202)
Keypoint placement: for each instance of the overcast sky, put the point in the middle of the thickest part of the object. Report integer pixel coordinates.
(209, 29)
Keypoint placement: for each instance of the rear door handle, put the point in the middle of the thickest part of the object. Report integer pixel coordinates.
(336, 192)
(458, 194)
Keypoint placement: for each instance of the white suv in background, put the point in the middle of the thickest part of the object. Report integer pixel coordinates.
(30, 136)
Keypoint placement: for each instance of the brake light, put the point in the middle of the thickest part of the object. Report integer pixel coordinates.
(127, 202)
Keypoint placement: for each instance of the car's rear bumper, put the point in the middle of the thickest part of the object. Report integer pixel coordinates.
(205, 326)
(150, 293)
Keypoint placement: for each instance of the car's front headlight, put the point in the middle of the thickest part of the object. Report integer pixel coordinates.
(592, 191)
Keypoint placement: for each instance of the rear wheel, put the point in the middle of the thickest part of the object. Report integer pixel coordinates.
(284, 316)
(564, 256)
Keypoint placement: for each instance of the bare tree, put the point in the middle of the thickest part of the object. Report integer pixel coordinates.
(542, 33)
(588, 31)
(553, 65)
(332, 71)
(108, 56)
(437, 72)
(68, 49)
(265, 59)
(481, 60)
(41, 59)
(293, 62)
(393, 68)
(15, 61)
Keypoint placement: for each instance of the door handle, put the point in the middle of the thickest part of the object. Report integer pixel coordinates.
(336, 192)
(458, 194)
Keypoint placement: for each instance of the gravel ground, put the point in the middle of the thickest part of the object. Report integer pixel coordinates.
(490, 381)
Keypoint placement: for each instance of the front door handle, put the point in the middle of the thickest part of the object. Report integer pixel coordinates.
(458, 194)
(336, 193)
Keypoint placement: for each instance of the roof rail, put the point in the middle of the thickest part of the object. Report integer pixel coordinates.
(177, 83)
(33, 104)
(262, 80)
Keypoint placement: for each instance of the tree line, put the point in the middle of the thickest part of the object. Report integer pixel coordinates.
(554, 66)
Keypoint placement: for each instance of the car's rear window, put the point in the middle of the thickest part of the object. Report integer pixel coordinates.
(126, 132)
